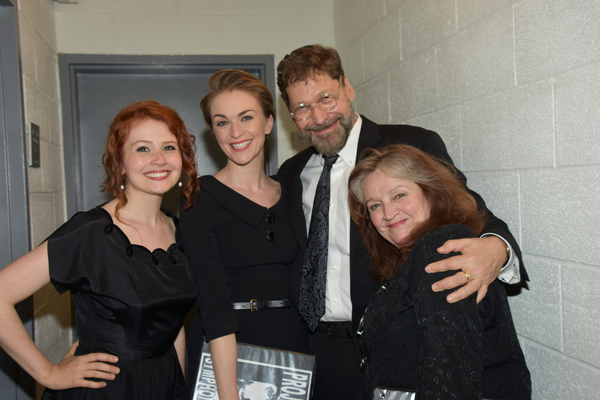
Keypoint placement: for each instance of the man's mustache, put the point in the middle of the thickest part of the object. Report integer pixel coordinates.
(324, 125)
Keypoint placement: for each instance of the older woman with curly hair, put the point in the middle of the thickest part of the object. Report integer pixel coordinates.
(406, 205)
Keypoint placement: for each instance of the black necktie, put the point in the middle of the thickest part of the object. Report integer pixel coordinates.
(314, 271)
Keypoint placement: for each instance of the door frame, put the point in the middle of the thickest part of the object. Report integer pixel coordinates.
(70, 65)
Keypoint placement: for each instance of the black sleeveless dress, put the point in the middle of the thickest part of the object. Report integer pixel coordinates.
(129, 302)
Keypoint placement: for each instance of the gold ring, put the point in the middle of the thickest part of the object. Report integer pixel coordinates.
(468, 276)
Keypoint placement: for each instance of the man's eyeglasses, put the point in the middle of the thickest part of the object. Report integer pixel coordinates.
(327, 102)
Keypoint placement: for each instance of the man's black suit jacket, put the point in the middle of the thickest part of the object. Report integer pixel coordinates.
(371, 136)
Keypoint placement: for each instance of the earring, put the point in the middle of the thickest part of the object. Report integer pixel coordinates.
(180, 184)
(122, 187)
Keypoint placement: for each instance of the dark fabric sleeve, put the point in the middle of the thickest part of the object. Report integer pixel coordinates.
(198, 228)
(69, 249)
(431, 143)
(493, 223)
(451, 361)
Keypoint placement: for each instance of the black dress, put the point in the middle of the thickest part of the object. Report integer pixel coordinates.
(130, 302)
(414, 339)
(236, 259)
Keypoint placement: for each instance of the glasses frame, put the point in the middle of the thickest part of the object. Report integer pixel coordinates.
(316, 103)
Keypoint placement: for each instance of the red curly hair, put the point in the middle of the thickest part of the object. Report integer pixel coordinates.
(449, 200)
(119, 130)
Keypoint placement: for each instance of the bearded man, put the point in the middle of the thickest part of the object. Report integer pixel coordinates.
(333, 284)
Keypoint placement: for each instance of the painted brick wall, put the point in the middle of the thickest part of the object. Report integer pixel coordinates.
(513, 87)
(52, 312)
(510, 85)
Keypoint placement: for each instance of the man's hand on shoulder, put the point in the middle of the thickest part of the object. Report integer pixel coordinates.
(479, 265)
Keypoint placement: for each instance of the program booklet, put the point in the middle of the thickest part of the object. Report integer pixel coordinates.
(263, 374)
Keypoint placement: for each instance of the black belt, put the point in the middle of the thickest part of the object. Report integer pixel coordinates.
(254, 304)
(336, 330)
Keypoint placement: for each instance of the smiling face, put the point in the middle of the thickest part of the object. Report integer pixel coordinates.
(151, 158)
(240, 126)
(396, 206)
(327, 131)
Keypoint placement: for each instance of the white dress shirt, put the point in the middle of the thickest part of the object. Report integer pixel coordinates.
(338, 303)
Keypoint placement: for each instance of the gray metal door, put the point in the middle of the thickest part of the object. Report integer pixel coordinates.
(95, 87)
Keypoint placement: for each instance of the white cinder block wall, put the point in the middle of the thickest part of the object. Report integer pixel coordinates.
(52, 312)
(513, 87)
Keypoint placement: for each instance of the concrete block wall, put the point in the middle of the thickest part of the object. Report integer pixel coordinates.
(509, 84)
(52, 312)
(187, 27)
(513, 89)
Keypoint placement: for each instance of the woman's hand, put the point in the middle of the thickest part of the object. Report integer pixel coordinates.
(19, 280)
(75, 371)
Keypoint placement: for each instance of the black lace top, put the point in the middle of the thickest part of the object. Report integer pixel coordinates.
(414, 339)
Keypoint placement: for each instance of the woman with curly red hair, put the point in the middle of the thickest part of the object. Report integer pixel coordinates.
(123, 263)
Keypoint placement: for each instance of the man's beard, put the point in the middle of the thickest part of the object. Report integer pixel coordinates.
(333, 142)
